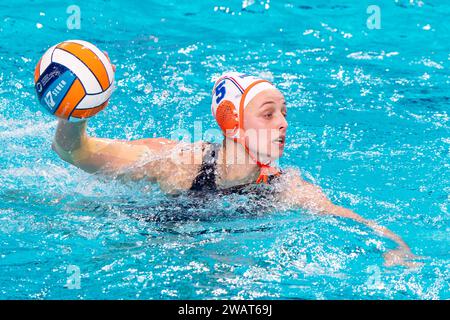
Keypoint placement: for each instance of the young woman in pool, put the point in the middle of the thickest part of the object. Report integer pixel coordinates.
(252, 115)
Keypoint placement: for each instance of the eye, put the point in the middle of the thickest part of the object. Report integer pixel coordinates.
(268, 115)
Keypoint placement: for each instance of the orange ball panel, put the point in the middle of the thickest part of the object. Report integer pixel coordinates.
(36, 71)
(86, 113)
(90, 59)
(71, 100)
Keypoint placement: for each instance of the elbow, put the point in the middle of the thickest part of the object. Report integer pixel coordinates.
(79, 158)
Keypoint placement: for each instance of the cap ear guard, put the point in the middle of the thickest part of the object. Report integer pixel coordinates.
(227, 118)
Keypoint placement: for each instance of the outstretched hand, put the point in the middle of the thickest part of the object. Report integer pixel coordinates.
(306, 195)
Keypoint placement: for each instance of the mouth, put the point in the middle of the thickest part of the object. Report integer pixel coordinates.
(280, 140)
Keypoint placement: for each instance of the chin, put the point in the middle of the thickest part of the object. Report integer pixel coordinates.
(276, 156)
(276, 151)
(271, 157)
(272, 152)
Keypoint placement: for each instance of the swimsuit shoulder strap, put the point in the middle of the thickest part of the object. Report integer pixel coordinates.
(206, 177)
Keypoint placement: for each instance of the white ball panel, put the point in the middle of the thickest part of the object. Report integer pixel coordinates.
(46, 60)
(100, 55)
(94, 100)
(87, 78)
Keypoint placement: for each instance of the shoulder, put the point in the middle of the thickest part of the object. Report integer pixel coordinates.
(291, 178)
(176, 168)
(294, 190)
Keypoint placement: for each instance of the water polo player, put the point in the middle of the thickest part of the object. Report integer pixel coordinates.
(252, 115)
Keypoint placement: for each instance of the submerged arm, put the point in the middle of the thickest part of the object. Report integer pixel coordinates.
(308, 196)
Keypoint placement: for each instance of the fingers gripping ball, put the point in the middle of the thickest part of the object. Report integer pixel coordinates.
(74, 80)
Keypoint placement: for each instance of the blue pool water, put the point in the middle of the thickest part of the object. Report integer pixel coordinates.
(369, 123)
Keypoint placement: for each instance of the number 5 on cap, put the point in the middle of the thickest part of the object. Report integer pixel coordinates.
(220, 91)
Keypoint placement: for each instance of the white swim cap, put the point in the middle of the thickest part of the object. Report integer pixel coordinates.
(231, 94)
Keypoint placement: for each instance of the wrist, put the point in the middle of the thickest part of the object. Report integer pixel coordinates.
(70, 135)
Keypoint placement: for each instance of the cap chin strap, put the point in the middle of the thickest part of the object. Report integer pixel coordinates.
(266, 169)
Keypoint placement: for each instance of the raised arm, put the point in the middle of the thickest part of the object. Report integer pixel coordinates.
(93, 154)
(306, 195)
(161, 160)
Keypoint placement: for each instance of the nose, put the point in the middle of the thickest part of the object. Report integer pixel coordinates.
(282, 125)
